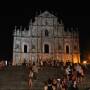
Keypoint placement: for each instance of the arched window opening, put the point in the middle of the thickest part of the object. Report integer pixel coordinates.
(67, 49)
(33, 46)
(46, 33)
(25, 48)
(46, 48)
(59, 47)
(75, 47)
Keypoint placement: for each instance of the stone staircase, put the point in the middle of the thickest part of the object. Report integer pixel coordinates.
(13, 78)
(16, 78)
(47, 72)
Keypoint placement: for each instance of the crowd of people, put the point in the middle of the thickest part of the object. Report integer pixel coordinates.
(73, 74)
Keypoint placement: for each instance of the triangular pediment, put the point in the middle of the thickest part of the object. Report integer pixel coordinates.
(46, 14)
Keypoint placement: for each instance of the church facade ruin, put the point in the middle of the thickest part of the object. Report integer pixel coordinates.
(46, 39)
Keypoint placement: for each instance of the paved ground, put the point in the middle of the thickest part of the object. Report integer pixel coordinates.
(16, 78)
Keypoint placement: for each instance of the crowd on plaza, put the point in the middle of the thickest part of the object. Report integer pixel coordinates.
(72, 76)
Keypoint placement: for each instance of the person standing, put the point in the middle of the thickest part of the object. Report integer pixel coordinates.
(30, 78)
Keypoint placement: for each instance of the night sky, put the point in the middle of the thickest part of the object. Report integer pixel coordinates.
(21, 16)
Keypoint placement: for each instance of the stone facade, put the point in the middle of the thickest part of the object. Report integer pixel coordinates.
(45, 39)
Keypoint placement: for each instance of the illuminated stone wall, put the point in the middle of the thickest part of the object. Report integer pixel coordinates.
(45, 32)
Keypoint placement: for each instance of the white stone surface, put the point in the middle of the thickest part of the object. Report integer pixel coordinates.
(35, 40)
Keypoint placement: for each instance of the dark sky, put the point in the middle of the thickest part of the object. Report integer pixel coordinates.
(21, 16)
